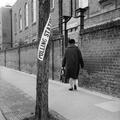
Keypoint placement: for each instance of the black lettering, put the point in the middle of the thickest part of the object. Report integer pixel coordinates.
(41, 48)
(43, 44)
(46, 33)
(48, 28)
(44, 40)
(41, 53)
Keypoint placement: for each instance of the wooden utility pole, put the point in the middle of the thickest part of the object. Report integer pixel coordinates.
(41, 112)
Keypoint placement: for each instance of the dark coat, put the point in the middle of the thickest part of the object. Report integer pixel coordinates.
(72, 61)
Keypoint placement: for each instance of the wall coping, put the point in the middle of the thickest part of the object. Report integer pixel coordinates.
(21, 46)
(107, 25)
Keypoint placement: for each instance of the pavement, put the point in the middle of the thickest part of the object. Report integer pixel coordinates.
(18, 94)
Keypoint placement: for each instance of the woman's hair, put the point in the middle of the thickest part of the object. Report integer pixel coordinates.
(71, 41)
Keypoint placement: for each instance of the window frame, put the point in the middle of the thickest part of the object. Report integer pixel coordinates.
(26, 14)
(15, 23)
(20, 20)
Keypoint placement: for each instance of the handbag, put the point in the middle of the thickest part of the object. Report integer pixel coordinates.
(62, 75)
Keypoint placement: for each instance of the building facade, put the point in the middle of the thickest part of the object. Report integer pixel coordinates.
(25, 24)
(97, 12)
(5, 27)
(102, 11)
(25, 21)
(99, 42)
(100, 46)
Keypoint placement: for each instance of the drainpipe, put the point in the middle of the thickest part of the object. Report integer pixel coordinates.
(66, 19)
(81, 11)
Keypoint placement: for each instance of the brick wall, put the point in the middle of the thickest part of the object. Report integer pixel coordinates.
(2, 58)
(57, 59)
(28, 59)
(66, 8)
(22, 58)
(50, 63)
(5, 27)
(12, 59)
(55, 12)
(105, 17)
(28, 33)
(101, 53)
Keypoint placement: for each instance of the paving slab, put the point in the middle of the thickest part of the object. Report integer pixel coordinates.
(14, 103)
(73, 105)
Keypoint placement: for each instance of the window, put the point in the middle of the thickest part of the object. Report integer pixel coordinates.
(33, 11)
(15, 23)
(26, 14)
(20, 19)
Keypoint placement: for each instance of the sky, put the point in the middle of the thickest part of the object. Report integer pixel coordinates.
(11, 2)
(7, 2)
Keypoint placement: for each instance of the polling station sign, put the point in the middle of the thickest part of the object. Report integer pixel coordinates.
(44, 40)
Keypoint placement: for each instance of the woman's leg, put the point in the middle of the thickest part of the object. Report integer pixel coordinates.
(71, 82)
(75, 84)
